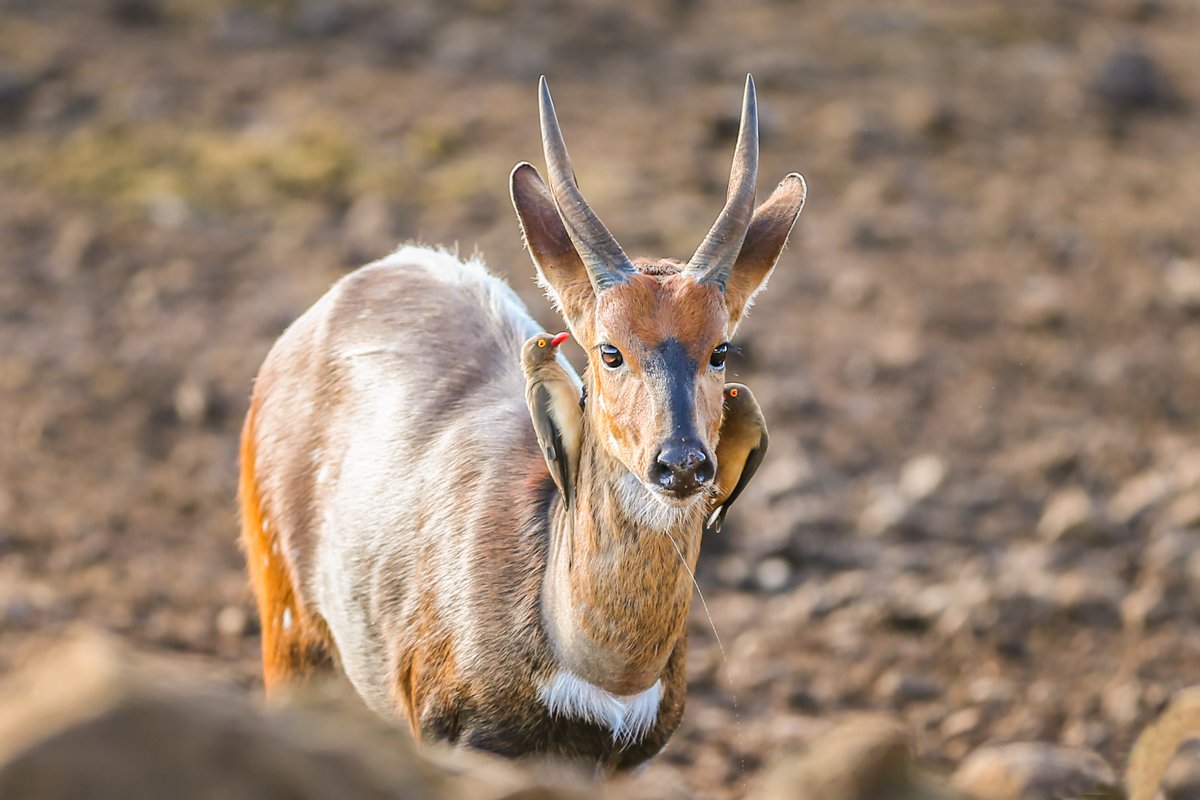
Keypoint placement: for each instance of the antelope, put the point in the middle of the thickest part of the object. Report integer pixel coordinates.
(402, 524)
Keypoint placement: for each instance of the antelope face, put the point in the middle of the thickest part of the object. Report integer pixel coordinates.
(656, 332)
(656, 370)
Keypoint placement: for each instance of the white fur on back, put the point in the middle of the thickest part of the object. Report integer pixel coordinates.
(628, 717)
(362, 577)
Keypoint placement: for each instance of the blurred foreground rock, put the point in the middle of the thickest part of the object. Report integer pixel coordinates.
(1165, 762)
(865, 758)
(1036, 771)
(94, 721)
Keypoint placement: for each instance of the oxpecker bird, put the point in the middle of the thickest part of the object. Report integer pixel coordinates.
(553, 392)
(740, 450)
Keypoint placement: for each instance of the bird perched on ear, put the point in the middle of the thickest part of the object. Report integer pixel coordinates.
(552, 391)
(740, 450)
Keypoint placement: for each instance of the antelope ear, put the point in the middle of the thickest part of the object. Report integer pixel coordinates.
(765, 239)
(740, 451)
(560, 270)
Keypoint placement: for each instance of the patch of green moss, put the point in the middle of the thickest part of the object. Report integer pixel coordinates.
(211, 170)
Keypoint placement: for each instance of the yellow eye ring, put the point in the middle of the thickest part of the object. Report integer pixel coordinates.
(541, 342)
(733, 392)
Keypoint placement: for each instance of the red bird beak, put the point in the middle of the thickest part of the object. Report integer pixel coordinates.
(559, 339)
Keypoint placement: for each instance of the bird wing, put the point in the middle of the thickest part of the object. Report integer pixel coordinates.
(740, 451)
(549, 437)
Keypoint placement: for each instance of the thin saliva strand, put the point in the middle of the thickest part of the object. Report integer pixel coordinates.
(737, 717)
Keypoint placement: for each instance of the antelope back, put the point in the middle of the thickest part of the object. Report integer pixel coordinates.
(393, 463)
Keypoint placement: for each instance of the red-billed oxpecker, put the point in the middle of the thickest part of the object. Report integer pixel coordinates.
(553, 394)
(741, 449)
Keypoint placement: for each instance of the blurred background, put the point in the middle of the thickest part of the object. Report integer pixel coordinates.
(977, 357)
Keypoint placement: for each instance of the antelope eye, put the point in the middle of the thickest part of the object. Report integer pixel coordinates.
(611, 356)
(717, 359)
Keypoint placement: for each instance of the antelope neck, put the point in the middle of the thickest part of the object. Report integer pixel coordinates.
(616, 592)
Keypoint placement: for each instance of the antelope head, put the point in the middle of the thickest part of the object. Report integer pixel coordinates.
(656, 331)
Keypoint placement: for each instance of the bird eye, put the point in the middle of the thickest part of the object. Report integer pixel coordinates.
(717, 359)
(611, 356)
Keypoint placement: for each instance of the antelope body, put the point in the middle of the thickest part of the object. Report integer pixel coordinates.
(399, 517)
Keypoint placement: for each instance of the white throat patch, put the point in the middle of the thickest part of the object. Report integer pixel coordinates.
(629, 718)
(646, 510)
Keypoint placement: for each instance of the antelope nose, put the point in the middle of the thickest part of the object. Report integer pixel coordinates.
(682, 468)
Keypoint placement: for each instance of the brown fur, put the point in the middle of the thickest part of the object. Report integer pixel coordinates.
(287, 653)
(631, 632)
(660, 303)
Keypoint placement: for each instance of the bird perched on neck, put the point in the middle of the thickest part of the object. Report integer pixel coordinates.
(553, 393)
(740, 450)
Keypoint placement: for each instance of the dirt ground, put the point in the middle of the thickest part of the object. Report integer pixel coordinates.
(978, 356)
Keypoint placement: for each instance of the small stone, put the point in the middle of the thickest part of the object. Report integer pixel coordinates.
(242, 27)
(1143, 10)
(861, 759)
(840, 123)
(1131, 80)
(367, 225)
(1185, 469)
(852, 288)
(897, 349)
(1182, 281)
(902, 688)
(71, 248)
(1040, 303)
(1121, 703)
(1035, 771)
(1185, 510)
(1053, 457)
(887, 509)
(191, 402)
(232, 622)
(1165, 557)
(1069, 514)
(923, 113)
(991, 691)
(16, 91)
(321, 19)
(1090, 599)
(921, 476)
(961, 722)
(773, 574)
(1145, 607)
(136, 13)
(1139, 494)
(733, 570)
(1085, 733)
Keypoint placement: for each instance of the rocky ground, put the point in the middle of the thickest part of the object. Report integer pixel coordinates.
(977, 357)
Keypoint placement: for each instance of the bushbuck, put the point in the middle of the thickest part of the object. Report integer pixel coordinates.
(399, 518)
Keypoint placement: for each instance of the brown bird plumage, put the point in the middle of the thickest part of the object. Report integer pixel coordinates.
(740, 450)
(552, 391)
